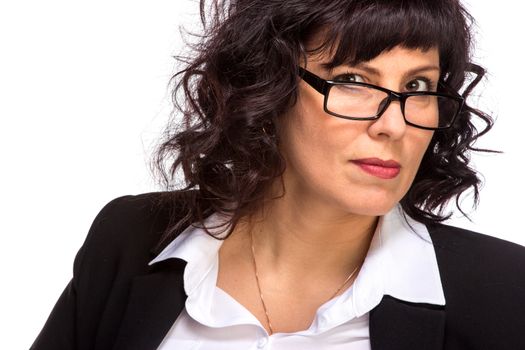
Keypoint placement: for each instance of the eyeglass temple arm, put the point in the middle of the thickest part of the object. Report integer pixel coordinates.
(313, 80)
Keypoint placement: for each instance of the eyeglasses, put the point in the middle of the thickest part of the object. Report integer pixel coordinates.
(362, 101)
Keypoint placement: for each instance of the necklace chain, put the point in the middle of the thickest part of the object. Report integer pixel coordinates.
(259, 284)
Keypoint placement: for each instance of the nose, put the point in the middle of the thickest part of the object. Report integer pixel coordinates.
(391, 123)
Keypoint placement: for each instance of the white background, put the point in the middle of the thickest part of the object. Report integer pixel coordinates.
(83, 97)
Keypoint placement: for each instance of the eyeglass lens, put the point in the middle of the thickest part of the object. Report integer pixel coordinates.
(365, 102)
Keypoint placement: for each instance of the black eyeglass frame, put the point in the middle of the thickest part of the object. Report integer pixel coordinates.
(323, 87)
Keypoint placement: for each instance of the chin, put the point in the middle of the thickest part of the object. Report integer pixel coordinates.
(368, 200)
(371, 206)
(374, 210)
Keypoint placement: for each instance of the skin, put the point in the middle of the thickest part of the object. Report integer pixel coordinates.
(308, 241)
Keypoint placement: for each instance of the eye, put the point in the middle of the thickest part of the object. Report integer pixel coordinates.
(349, 78)
(419, 84)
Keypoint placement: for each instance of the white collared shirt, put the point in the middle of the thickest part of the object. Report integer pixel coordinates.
(400, 263)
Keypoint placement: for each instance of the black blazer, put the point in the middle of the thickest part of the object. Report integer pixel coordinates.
(116, 301)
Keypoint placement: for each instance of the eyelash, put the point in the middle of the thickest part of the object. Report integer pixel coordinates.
(429, 82)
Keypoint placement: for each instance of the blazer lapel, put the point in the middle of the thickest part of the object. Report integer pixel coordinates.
(399, 325)
(155, 301)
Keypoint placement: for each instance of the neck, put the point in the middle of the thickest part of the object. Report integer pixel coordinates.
(297, 238)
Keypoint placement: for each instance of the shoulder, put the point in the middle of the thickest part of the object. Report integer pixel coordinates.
(483, 279)
(126, 229)
(473, 248)
(142, 207)
(120, 242)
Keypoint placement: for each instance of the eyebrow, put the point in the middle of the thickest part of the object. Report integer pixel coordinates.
(373, 71)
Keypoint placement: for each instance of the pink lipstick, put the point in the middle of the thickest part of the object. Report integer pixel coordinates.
(384, 169)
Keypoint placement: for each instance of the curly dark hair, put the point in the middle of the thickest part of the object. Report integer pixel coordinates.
(243, 76)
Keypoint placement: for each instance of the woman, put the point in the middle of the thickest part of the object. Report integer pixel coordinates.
(321, 143)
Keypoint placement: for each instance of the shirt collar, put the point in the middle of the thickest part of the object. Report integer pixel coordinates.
(197, 248)
(400, 262)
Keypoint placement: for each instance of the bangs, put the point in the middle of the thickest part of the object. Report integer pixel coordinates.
(364, 29)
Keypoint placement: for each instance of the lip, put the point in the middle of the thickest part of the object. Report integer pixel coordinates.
(384, 169)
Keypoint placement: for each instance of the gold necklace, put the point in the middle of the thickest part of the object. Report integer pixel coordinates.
(259, 285)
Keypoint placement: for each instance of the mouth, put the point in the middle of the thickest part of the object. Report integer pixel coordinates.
(383, 169)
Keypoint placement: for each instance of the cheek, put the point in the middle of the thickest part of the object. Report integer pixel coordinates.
(314, 139)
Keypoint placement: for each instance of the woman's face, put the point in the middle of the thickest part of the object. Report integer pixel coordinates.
(328, 158)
